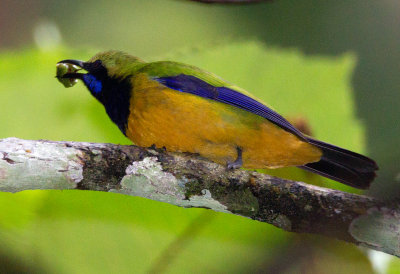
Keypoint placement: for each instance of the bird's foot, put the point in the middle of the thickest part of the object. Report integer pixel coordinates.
(238, 162)
(153, 146)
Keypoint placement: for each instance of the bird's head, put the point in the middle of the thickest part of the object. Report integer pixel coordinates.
(108, 78)
(102, 70)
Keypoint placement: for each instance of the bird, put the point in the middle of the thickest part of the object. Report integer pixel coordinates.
(183, 108)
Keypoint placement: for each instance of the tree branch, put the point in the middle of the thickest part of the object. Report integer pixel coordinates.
(190, 181)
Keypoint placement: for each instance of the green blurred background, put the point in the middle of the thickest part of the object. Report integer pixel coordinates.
(332, 64)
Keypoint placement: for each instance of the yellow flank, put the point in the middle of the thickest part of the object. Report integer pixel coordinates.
(188, 123)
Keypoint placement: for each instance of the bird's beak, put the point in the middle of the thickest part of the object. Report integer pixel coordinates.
(78, 63)
(67, 72)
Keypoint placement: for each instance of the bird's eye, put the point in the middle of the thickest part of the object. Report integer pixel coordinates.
(95, 67)
(97, 64)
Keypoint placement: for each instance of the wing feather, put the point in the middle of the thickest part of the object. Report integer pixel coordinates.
(193, 85)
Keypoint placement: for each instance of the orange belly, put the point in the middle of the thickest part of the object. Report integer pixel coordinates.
(188, 123)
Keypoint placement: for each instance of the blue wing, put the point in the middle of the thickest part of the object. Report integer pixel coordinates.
(196, 86)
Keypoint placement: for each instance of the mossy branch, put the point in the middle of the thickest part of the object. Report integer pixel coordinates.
(190, 181)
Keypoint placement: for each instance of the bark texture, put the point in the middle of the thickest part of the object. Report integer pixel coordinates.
(189, 181)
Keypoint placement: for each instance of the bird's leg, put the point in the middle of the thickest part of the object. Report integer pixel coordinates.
(153, 146)
(238, 162)
(143, 154)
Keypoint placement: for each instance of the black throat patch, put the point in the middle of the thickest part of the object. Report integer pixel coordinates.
(115, 95)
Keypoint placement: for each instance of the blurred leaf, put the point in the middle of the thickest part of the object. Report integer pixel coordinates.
(394, 266)
(307, 254)
(94, 232)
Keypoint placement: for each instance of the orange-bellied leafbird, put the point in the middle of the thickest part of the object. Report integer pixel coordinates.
(186, 109)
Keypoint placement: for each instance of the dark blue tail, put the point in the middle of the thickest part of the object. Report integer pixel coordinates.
(342, 165)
